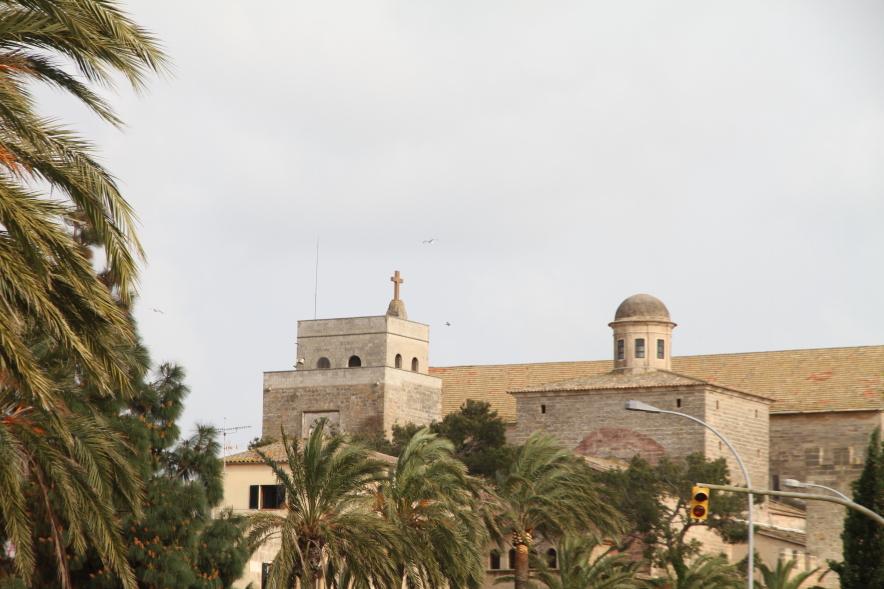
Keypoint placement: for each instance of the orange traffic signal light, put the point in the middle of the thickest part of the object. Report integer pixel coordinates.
(699, 503)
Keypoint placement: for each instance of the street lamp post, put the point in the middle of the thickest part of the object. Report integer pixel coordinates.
(750, 564)
(795, 484)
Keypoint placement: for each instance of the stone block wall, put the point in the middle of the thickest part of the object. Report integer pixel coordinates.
(357, 394)
(411, 398)
(596, 423)
(745, 422)
(828, 449)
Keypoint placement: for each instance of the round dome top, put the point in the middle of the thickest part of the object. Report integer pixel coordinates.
(642, 306)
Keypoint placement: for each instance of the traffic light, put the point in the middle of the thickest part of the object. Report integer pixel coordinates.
(699, 503)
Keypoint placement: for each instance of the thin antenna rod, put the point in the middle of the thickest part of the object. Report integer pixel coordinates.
(316, 280)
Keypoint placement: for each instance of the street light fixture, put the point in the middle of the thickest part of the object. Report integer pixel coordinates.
(634, 405)
(796, 484)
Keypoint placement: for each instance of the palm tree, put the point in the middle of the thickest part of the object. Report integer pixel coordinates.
(435, 507)
(707, 571)
(546, 490)
(330, 522)
(583, 563)
(782, 577)
(67, 473)
(48, 283)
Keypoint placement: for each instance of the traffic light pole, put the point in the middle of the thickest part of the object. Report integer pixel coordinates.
(750, 564)
(830, 498)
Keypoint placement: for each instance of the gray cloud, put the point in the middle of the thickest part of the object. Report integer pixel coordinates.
(565, 155)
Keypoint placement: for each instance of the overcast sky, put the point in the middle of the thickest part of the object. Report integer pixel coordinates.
(727, 158)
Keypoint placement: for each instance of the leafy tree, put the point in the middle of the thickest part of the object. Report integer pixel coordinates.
(330, 523)
(173, 542)
(479, 437)
(783, 576)
(435, 508)
(862, 538)
(402, 434)
(584, 564)
(655, 501)
(49, 286)
(547, 491)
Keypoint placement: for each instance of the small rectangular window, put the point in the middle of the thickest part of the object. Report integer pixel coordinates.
(640, 347)
(678, 402)
(253, 496)
(543, 408)
(813, 456)
(661, 349)
(272, 496)
(621, 349)
(841, 456)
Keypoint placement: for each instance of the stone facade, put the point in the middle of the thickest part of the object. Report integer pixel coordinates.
(364, 374)
(595, 423)
(827, 449)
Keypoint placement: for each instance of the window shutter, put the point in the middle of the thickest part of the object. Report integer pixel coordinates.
(253, 496)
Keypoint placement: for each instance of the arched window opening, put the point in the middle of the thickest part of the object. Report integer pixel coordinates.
(398, 362)
(414, 365)
(511, 560)
(354, 362)
(552, 560)
(495, 561)
(323, 363)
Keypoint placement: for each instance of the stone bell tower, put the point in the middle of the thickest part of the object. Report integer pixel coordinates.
(642, 334)
(363, 374)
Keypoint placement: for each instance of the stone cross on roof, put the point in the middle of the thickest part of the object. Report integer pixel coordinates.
(397, 305)
(396, 279)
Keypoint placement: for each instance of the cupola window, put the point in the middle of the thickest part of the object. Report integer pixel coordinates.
(414, 365)
(323, 363)
(398, 361)
(661, 349)
(640, 347)
(354, 362)
(621, 349)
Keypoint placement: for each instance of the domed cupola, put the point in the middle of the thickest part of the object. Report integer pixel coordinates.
(642, 334)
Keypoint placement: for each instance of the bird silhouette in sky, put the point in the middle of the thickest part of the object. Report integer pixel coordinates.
(160, 311)
(448, 323)
(430, 241)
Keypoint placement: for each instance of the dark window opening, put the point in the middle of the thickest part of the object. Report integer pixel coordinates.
(716, 404)
(551, 558)
(272, 496)
(621, 349)
(354, 362)
(414, 365)
(678, 402)
(640, 347)
(253, 496)
(511, 559)
(398, 361)
(543, 408)
(775, 482)
(265, 575)
(495, 560)
(323, 363)
(661, 349)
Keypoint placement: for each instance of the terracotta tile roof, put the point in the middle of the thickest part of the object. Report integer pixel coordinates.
(799, 538)
(276, 452)
(827, 379)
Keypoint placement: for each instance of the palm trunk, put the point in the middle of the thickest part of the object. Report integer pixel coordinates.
(521, 566)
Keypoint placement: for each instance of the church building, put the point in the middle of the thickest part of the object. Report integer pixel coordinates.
(799, 414)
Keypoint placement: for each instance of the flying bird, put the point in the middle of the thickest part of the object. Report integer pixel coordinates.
(448, 323)
(160, 311)
(430, 241)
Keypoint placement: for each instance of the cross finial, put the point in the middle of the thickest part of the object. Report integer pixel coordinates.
(396, 279)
